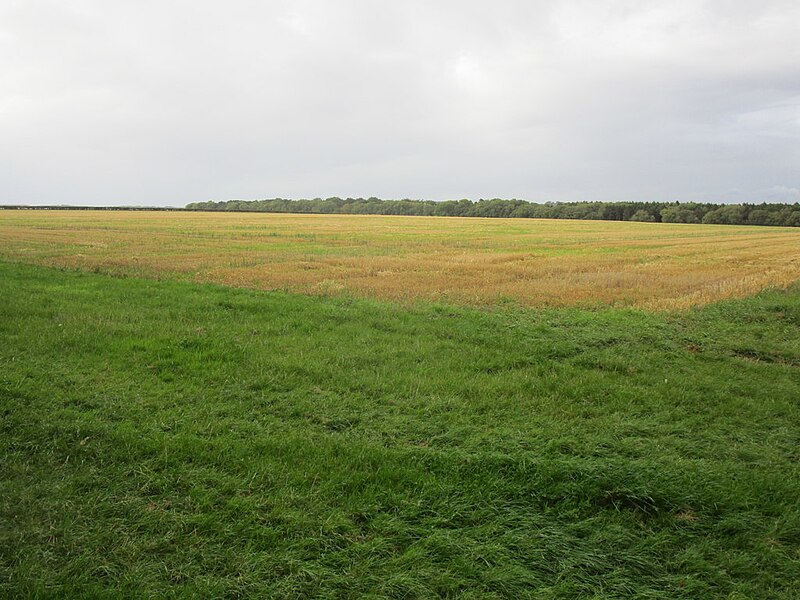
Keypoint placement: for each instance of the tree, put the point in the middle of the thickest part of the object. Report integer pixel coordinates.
(643, 215)
(678, 214)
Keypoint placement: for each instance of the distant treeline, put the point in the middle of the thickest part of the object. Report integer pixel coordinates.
(655, 212)
(69, 207)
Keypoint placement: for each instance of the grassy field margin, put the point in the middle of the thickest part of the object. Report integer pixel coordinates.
(166, 439)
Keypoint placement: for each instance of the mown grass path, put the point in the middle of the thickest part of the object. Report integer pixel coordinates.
(166, 439)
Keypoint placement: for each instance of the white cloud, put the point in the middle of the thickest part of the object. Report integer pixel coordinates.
(782, 193)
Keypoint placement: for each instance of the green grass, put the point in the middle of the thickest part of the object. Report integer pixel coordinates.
(165, 439)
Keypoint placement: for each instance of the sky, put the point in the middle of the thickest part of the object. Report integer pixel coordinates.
(161, 103)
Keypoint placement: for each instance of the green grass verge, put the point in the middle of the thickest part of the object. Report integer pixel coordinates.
(164, 439)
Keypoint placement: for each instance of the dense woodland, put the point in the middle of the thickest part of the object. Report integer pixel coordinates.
(661, 212)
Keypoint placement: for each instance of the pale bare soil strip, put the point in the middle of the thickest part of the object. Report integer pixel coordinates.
(459, 260)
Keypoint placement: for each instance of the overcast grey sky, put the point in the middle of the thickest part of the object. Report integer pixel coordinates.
(168, 102)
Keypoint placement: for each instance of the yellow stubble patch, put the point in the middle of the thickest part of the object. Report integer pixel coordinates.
(460, 260)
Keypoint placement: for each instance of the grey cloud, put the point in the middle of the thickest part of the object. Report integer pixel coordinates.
(167, 103)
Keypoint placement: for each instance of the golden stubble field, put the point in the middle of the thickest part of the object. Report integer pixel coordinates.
(458, 260)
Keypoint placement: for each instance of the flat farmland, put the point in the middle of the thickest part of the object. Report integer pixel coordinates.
(393, 407)
(463, 261)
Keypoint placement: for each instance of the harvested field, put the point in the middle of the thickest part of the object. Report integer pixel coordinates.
(455, 260)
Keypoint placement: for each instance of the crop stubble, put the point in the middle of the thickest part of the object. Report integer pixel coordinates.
(459, 260)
